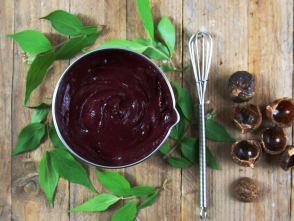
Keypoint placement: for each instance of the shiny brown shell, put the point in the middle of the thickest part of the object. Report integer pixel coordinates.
(241, 86)
(246, 152)
(287, 158)
(281, 112)
(246, 189)
(247, 117)
(273, 140)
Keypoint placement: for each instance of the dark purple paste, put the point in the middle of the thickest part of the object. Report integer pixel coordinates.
(114, 108)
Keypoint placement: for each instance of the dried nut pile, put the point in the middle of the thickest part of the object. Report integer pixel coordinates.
(273, 140)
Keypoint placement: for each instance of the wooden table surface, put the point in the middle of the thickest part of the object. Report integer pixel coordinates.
(253, 35)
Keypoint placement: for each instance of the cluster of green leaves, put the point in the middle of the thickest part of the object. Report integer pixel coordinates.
(189, 146)
(151, 47)
(41, 53)
(54, 164)
(120, 189)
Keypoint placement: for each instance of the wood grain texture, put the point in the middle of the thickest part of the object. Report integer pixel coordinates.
(253, 36)
(154, 170)
(112, 14)
(6, 69)
(29, 202)
(270, 49)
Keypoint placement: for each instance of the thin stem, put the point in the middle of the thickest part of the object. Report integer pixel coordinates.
(176, 145)
(172, 64)
(127, 198)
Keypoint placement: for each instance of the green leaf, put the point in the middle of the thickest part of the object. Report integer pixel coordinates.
(71, 47)
(54, 137)
(167, 33)
(164, 148)
(32, 41)
(210, 160)
(178, 131)
(68, 168)
(29, 137)
(142, 41)
(40, 112)
(89, 30)
(97, 203)
(157, 52)
(217, 132)
(91, 38)
(126, 213)
(131, 45)
(166, 68)
(149, 201)
(188, 148)
(146, 15)
(48, 177)
(37, 72)
(178, 162)
(64, 22)
(142, 191)
(114, 182)
(184, 101)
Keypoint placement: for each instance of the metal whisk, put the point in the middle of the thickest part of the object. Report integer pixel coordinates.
(200, 47)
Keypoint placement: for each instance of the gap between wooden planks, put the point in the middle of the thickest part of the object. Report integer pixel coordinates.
(252, 35)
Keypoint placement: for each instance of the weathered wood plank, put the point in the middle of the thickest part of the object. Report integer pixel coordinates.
(270, 49)
(154, 170)
(112, 14)
(254, 37)
(29, 202)
(6, 70)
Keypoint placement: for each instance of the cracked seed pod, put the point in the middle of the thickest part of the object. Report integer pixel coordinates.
(246, 152)
(246, 189)
(241, 86)
(273, 140)
(281, 112)
(287, 158)
(247, 117)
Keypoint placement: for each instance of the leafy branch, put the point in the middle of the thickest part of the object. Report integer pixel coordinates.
(41, 54)
(151, 47)
(189, 146)
(120, 189)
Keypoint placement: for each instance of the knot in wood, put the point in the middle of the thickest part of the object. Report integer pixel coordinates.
(30, 187)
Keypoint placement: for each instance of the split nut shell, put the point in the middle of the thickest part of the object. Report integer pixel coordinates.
(273, 140)
(241, 86)
(247, 117)
(287, 158)
(281, 112)
(246, 152)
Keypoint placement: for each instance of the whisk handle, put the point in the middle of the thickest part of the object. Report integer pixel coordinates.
(202, 160)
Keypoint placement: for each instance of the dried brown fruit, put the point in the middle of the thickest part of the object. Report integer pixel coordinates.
(281, 112)
(247, 117)
(246, 189)
(274, 140)
(246, 152)
(287, 158)
(241, 86)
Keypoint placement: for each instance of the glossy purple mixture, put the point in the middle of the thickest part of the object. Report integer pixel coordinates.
(114, 108)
